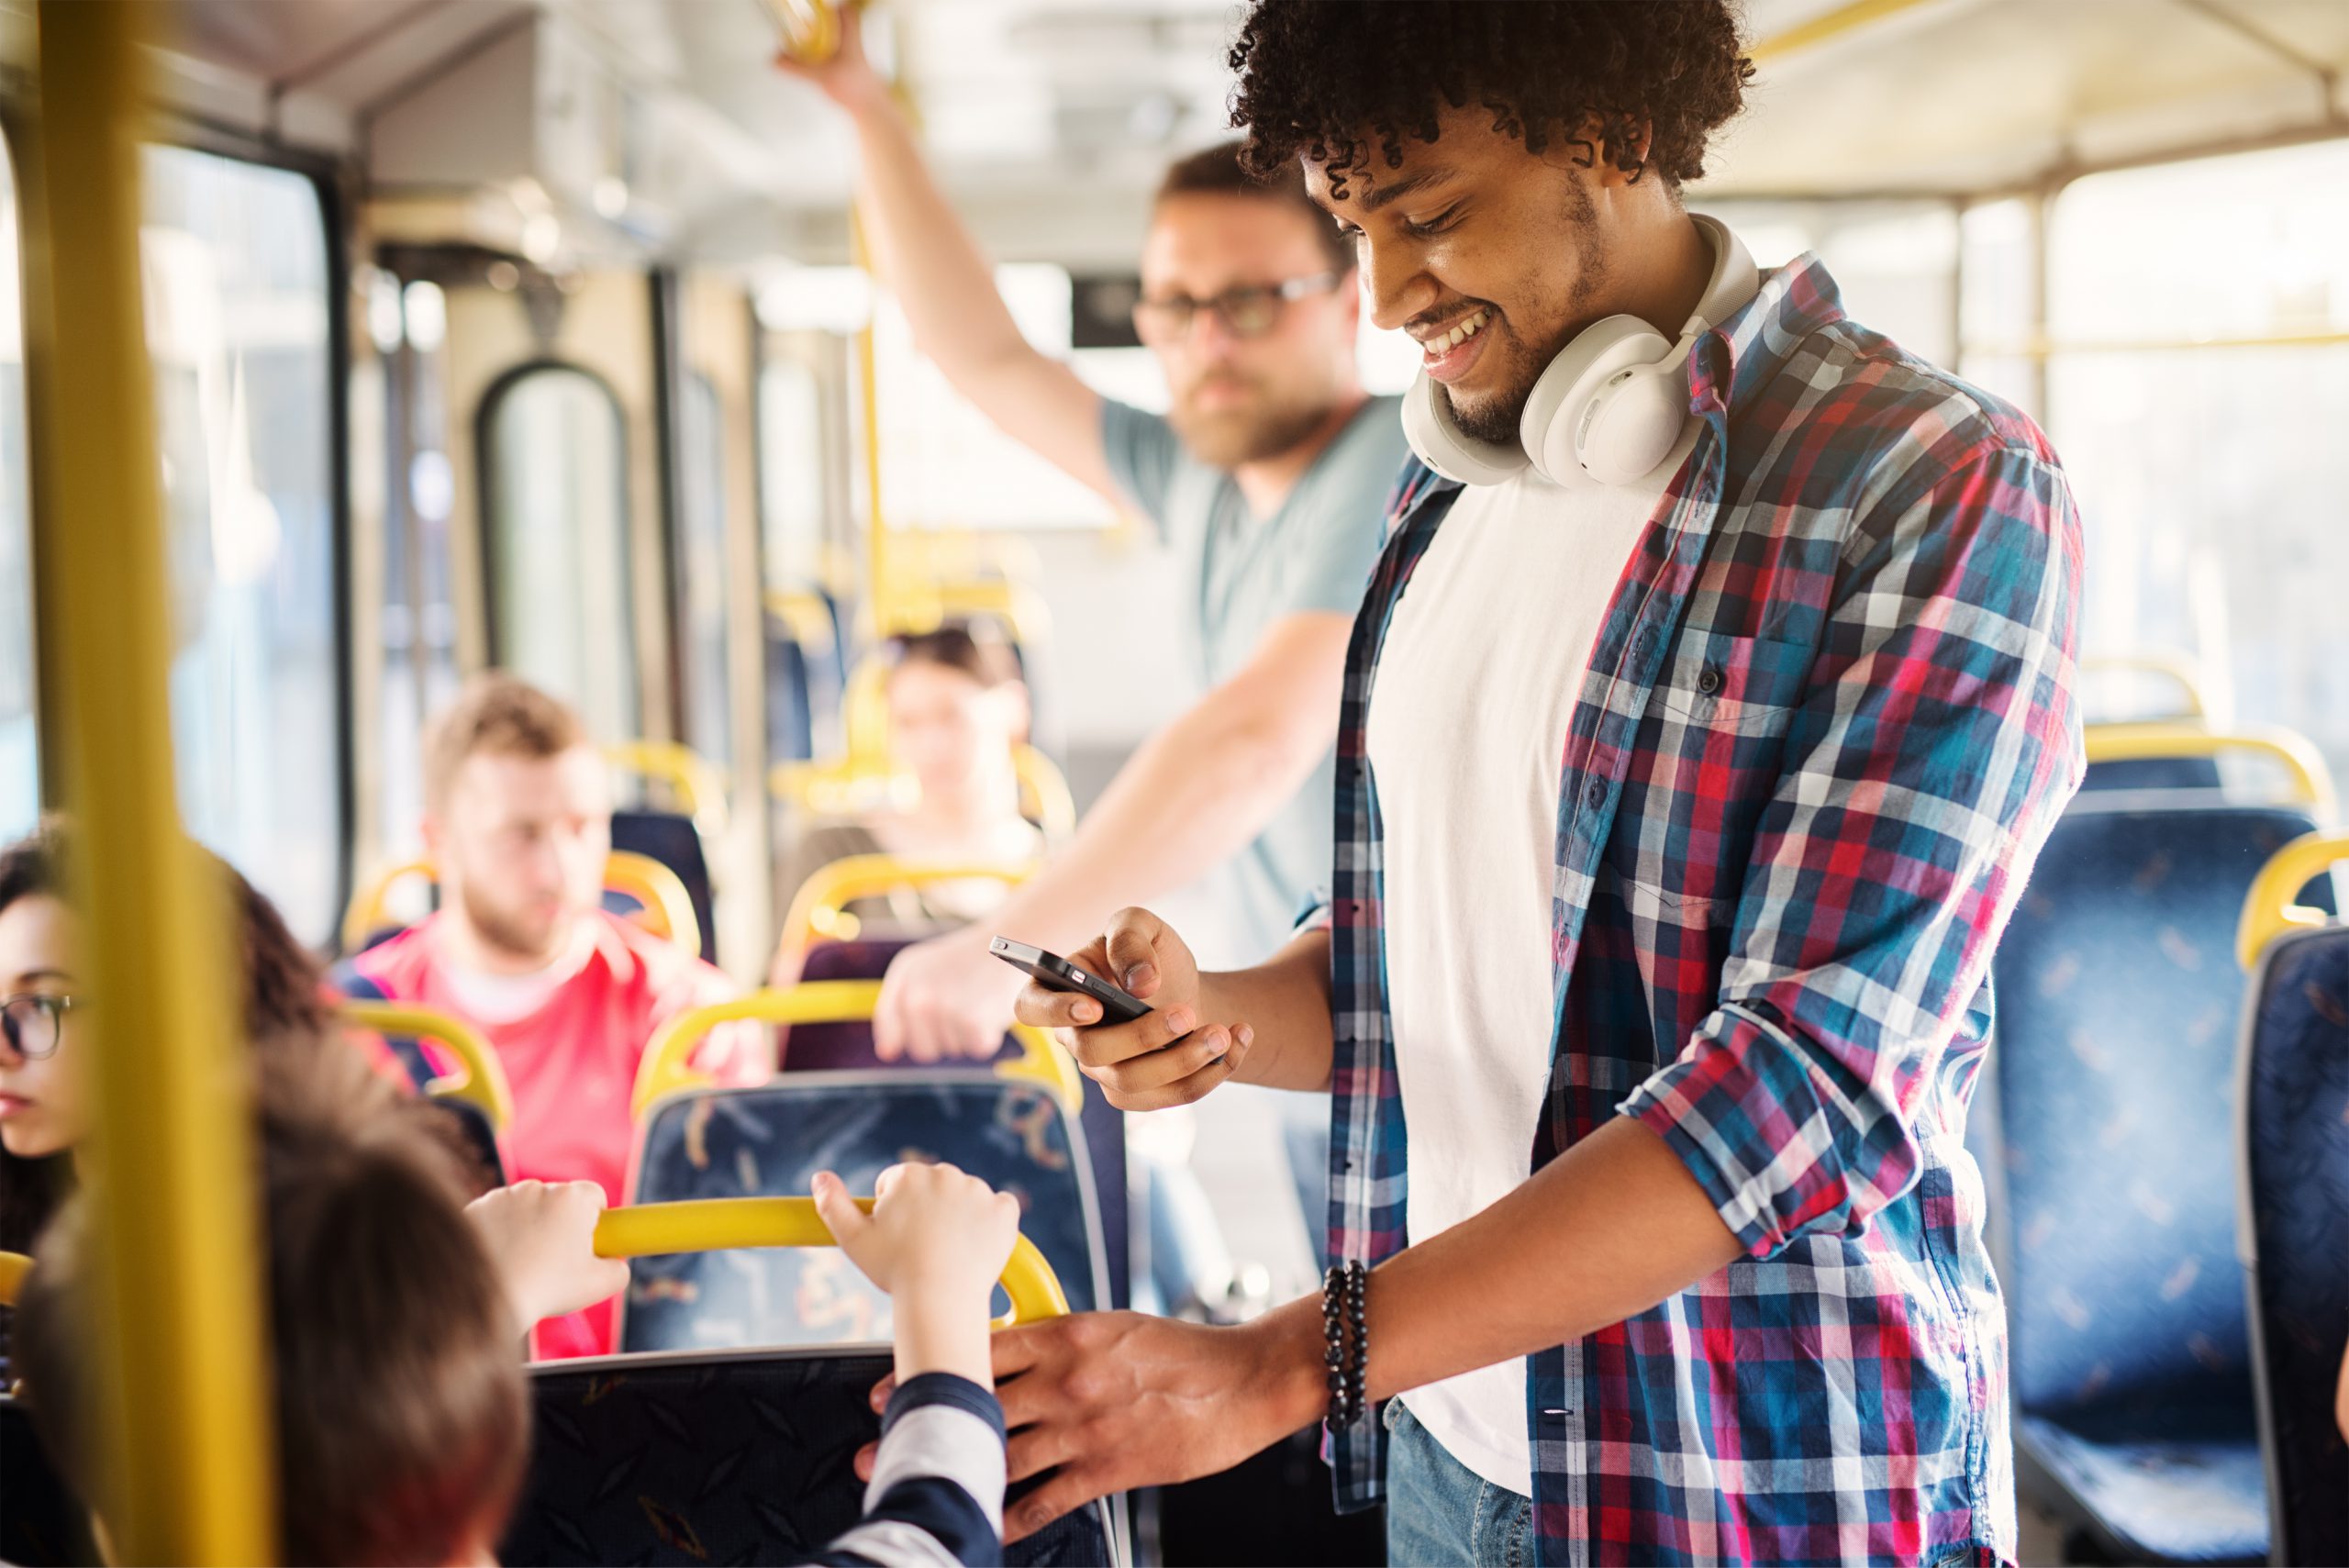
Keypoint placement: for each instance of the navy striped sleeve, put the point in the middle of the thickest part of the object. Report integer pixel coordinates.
(936, 1497)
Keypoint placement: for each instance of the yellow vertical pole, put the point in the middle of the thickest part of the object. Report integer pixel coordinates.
(186, 1472)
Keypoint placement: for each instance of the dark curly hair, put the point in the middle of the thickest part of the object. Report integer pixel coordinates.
(1328, 79)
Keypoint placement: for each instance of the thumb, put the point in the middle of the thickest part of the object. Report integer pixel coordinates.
(839, 1212)
(1132, 948)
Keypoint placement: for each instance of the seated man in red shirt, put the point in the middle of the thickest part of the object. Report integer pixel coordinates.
(518, 820)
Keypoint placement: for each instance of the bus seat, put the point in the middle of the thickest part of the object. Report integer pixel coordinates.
(651, 895)
(791, 714)
(476, 1097)
(671, 838)
(2116, 1000)
(769, 1142)
(42, 1524)
(2295, 1180)
(848, 1047)
(687, 1460)
(2154, 772)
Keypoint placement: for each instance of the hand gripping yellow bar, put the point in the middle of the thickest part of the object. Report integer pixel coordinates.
(713, 1225)
(818, 907)
(480, 1078)
(2268, 911)
(2312, 783)
(664, 1069)
(14, 1267)
(668, 909)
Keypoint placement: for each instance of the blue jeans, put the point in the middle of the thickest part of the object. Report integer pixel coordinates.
(1439, 1512)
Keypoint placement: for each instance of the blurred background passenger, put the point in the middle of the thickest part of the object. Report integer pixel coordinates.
(957, 712)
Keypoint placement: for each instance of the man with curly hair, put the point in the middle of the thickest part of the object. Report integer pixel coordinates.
(1709, 704)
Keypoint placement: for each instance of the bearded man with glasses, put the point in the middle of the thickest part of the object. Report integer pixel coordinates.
(1268, 475)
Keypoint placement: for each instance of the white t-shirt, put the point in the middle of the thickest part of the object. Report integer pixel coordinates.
(1477, 682)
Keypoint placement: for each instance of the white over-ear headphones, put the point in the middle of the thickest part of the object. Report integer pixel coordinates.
(1609, 408)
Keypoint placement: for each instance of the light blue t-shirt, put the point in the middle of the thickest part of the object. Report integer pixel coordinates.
(1243, 573)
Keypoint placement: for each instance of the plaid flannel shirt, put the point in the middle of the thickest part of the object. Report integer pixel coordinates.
(1827, 724)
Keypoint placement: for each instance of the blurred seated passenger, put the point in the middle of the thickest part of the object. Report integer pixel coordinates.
(43, 1113)
(957, 711)
(517, 822)
(402, 1419)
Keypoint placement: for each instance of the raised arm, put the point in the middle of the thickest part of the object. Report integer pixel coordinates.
(945, 285)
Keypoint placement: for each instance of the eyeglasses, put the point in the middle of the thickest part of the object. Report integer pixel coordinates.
(35, 1023)
(1249, 311)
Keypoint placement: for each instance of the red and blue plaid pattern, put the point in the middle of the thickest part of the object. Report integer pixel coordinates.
(1827, 725)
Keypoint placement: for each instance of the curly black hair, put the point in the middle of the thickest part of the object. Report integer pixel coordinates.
(1328, 79)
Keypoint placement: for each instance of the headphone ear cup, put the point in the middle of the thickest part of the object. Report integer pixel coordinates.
(1633, 421)
(1572, 394)
(1442, 446)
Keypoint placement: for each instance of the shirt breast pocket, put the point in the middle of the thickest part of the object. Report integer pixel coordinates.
(1733, 685)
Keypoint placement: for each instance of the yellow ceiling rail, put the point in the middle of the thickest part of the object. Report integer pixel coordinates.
(666, 909)
(480, 1079)
(179, 1310)
(850, 785)
(2313, 781)
(697, 785)
(14, 1267)
(1840, 21)
(666, 1066)
(2269, 909)
(2176, 668)
(713, 1225)
(819, 909)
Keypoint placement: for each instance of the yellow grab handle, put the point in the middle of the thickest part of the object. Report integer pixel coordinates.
(1044, 792)
(2141, 743)
(666, 1068)
(2268, 911)
(699, 787)
(480, 1077)
(811, 28)
(668, 909)
(14, 1267)
(817, 909)
(2174, 667)
(713, 1224)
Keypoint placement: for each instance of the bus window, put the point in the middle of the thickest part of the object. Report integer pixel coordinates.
(20, 754)
(236, 282)
(2196, 376)
(556, 527)
(791, 474)
(701, 566)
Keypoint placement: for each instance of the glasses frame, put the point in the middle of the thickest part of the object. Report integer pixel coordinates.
(1281, 295)
(54, 1008)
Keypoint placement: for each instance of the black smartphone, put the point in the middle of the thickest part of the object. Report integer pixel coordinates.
(1056, 973)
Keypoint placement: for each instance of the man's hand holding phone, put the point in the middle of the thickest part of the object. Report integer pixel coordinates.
(1171, 1056)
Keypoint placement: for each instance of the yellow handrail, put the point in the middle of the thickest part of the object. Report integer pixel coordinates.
(2141, 743)
(480, 1079)
(2268, 910)
(14, 1267)
(665, 1067)
(667, 908)
(2173, 667)
(811, 28)
(818, 907)
(186, 1469)
(804, 615)
(715, 1225)
(699, 787)
(1044, 792)
(865, 711)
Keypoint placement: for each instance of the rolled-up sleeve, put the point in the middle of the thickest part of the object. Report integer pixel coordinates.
(1936, 744)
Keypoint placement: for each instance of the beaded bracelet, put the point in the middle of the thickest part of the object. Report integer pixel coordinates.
(1344, 1327)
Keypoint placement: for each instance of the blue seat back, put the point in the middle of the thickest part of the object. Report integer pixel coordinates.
(791, 724)
(671, 838)
(697, 1459)
(2154, 772)
(2296, 1167)
(769, 1142)
(2118, 997)
(848, 1048)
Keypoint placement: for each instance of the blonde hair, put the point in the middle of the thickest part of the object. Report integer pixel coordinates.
(499, 714)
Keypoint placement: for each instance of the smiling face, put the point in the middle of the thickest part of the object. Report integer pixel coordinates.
(1491, 257)
(1234, 399)
(41, 1108)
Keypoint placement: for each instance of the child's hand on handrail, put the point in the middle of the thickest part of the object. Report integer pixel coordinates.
(936, 1240)
(541, 1238)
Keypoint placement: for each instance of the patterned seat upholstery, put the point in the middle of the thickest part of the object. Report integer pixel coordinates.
(848, 1048)
(769, 1142)
(2296, 1144)
(2118, 995)
(715, 1460)
(671, 838)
